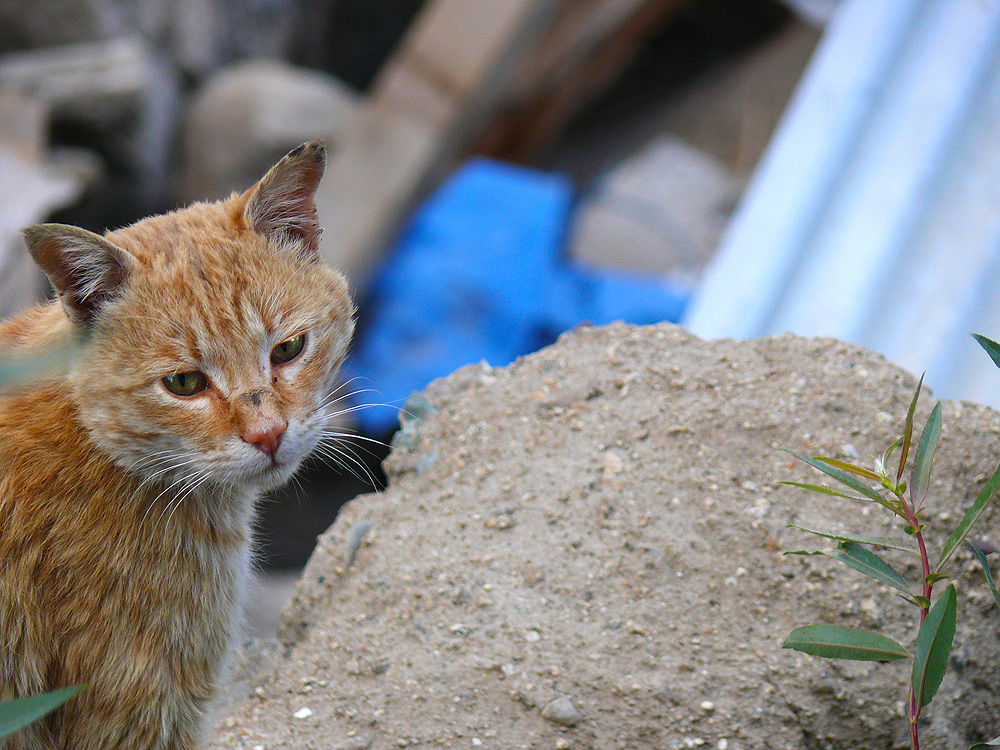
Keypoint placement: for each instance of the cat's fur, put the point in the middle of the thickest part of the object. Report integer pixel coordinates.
(125, 510)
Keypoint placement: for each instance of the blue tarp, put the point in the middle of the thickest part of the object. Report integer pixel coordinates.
(479, 275)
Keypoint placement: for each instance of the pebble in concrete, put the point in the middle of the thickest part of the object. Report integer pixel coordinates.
(562, 710)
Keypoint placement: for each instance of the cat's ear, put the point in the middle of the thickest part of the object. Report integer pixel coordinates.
(282, 205)
(86, 270)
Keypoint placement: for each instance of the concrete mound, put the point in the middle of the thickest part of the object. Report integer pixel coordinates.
(584, 550)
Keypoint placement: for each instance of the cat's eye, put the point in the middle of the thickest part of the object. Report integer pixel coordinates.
(185, 383)
(286, 351)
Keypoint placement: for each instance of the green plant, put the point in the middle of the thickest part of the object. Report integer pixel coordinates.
(20, 712)
(884, 484)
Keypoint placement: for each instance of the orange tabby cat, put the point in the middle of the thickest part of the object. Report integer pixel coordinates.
(209, 340)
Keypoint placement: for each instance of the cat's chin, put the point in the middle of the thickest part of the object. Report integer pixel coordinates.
(273, 475)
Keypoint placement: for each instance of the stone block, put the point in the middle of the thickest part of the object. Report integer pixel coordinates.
(660, 212)
(247, 116)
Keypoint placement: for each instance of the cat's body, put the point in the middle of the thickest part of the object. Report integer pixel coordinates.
(211, 338)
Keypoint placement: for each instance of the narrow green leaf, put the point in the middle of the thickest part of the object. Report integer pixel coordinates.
(836, 642)
(888, 452)
(908, 430)
(933, 645)
(867, 562)
(992, 347)
(971, 516)
(980, 745)
(878, 541)
(803, 552)
(860, 471)
(921, 470)
(20, 712)
(986, 569)
(845, 479)
(821, 489)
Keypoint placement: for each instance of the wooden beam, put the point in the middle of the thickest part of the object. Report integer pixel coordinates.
(431, 99)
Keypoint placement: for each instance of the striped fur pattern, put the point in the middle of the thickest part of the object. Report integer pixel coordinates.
(125, 508)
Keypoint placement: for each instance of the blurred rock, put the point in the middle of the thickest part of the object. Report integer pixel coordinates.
(117, 96)
(660, 212)
(247, 116)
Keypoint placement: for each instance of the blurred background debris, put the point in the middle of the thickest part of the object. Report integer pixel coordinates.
(500, 172)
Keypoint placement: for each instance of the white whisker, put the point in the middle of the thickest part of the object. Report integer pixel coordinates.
(371, 446)
(348, 461)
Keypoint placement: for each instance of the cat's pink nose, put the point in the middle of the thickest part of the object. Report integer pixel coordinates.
(267, 436)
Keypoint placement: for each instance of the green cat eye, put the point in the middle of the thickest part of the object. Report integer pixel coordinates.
(185, 383)
(286, 351)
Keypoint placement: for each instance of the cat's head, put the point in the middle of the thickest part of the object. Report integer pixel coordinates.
(212, 335)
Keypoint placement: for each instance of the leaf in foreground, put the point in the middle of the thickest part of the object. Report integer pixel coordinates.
(20, 712)
(922, 459)
(933, 645)
(850, 468)
(971, 516)
(867, 562)
(908, 430)
(878, 541)
(820, 489)
(836, 642)
(991, 743)
(986, 569)
(992, 347)
(845, 479)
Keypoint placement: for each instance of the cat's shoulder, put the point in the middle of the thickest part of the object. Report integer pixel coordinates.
(43, 325)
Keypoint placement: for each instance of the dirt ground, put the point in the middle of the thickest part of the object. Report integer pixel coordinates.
(584, 550)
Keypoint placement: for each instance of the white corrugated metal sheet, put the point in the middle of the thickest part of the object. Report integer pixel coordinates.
(875, 215)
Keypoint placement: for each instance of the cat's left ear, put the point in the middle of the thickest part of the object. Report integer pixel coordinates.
(282, 205)
(86, 270)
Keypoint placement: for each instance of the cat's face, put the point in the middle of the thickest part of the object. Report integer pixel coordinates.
(216, 362)
(214, 334)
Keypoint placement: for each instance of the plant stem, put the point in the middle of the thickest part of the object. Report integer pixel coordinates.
(925, 563)
(914, 717)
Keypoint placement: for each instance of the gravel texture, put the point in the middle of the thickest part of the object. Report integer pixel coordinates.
(584, 550)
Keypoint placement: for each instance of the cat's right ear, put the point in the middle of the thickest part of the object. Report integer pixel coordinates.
(282, 206)
(86, 270)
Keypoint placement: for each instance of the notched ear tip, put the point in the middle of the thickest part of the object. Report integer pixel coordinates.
(283, 204)
(308, 161)
(316, 148)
